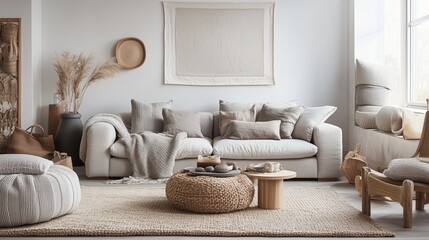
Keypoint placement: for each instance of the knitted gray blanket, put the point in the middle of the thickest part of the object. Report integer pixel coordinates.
(151, 155)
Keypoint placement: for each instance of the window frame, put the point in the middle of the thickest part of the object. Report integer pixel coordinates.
(411, 101)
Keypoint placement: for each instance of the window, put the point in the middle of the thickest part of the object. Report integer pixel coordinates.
(418, 52)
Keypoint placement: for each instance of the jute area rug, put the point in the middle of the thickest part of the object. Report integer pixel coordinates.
(140, 211)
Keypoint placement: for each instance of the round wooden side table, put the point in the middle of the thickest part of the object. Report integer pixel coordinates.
(270, 187)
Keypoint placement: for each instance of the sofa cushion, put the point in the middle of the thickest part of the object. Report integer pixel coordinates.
(225, 117)
(182, 121)
(147, 116)
(372, 74)
(366, 119)
(190, 148)
(368, 108)
(263, 149)
(310, 118)
(253, 130)
(288, 117)
(372, 95)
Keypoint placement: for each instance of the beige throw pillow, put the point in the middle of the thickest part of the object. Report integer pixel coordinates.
(253, 130)
(248, 115)
(389, 119)
(413, 125)
(147, 116)
(182, 121)
(310, 118)
(234, 106)
(288, 117)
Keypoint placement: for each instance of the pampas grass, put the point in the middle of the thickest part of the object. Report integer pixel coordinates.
(72, 81)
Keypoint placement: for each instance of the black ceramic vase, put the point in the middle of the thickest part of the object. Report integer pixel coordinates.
(68, 136)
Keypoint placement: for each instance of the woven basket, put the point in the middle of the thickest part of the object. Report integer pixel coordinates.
(205, 194)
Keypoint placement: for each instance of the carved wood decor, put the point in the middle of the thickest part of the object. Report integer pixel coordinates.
(10, 79)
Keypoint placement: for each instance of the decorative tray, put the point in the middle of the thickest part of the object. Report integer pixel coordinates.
(231, 173)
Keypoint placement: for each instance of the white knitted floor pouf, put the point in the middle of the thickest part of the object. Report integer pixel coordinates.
(33, 190)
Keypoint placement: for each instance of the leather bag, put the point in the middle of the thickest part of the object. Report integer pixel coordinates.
(27, 142)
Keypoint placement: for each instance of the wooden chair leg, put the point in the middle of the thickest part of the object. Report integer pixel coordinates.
(420, 200)
(366, 198)
(407, 203)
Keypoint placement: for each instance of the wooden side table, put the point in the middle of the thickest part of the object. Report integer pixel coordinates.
(270, 187)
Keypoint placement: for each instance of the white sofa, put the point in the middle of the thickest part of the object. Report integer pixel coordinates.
(319, 158)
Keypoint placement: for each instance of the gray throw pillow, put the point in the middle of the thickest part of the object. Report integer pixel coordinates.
(248, 115)
(237, 106)
(408, 168)
(182, 121)
(147, 116)
(288, 117)
(253, 130)
(310, 118)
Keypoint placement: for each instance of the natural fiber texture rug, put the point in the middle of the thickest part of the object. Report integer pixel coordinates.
(139, 210)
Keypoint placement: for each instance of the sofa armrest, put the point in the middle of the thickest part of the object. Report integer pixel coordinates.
(329, 140)
(100, 137)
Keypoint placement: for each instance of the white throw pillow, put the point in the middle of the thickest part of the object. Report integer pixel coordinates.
(24, 164)
(372, 74)
(310, 118)
(389, 119)
(147, 116)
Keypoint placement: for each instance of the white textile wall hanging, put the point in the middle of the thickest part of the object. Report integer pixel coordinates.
(219, 43)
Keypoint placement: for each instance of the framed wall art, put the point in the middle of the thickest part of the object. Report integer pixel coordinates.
(218, 43)
(10, 71)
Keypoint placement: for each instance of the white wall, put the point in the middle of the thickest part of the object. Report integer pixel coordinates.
(311, 56)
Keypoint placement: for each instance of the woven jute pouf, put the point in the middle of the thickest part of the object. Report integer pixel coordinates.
(205, 194)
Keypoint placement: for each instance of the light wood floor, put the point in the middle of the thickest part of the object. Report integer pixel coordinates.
(387, 214)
